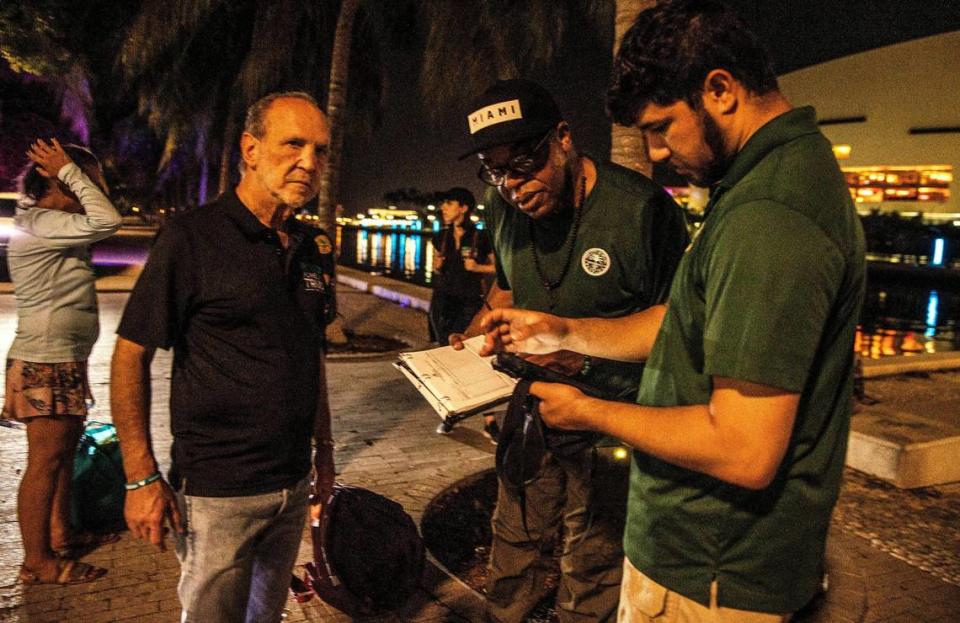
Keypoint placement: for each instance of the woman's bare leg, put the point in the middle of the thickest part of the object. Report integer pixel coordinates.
(61, 531)
(51, 442)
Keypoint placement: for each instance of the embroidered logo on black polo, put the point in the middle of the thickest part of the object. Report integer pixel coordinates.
(595, 262)
(313, 279)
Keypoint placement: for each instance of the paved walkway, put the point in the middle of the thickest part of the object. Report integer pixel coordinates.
(386, 442)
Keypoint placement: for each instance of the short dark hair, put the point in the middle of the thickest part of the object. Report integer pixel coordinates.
(257, 112)
(35, 186)
(668, 51)
(460, 195)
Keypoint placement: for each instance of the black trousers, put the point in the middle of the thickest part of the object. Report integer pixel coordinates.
(451, 314)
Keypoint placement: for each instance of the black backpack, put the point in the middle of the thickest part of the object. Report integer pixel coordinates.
(368, 553)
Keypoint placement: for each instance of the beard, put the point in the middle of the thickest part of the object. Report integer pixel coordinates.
(719, 162)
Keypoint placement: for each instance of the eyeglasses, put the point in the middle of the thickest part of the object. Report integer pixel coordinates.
(524, 164)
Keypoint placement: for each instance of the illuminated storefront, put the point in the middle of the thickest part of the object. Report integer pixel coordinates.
(915, 184)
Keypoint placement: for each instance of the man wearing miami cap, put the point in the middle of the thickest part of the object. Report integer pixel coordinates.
(578, 237)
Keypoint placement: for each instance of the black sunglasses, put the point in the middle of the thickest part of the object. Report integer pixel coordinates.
(523, 164)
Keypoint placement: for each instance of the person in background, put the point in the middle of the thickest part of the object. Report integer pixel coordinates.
(240, 289)
(741, 426)
(63, 209)
(462, 260)
(576, 235)
(462, 255)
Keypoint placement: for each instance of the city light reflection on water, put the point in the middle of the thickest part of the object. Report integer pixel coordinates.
(412, 252)
(405, 254)
(908, 318)
(932, 306)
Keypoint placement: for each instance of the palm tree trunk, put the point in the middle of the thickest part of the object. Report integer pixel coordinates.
(336, 103)
(229, 140)
(627, 146)
(204, 180)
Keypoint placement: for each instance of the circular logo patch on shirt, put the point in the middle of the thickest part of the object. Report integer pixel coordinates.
(324, 246)
(595, 262)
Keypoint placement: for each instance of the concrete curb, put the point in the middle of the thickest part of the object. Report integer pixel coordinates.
(399, 292)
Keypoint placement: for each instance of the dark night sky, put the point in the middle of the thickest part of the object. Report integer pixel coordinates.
(410, 148)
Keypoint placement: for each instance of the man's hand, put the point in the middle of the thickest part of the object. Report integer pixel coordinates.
(148, 508)
(563, 406)
(50, 157)
(522, 331)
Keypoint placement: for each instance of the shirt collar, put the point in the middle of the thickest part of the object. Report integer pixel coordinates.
(249, 224)
(776, 132)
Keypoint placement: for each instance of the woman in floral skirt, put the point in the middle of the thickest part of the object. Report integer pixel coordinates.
(63, 209)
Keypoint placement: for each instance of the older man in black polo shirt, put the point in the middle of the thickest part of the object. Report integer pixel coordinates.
(241, 290)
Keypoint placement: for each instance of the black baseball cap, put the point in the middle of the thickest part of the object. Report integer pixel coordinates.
(460, 195)
(510, 111)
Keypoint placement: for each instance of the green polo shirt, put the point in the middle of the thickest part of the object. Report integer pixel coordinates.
(629, 242)
(769, 292)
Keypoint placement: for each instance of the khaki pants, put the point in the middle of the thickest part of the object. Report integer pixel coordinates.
(644, 601)
(586, 496)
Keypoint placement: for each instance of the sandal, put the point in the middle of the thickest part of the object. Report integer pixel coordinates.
(68, 572)
(84, 543)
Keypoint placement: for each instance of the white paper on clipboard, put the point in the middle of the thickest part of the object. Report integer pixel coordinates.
(456, 382)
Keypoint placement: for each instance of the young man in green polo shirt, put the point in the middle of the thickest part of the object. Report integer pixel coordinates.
(741, 428)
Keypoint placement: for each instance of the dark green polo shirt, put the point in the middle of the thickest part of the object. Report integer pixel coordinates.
(769, 292)
(630, 239)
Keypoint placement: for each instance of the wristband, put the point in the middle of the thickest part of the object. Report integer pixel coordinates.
(130, 486)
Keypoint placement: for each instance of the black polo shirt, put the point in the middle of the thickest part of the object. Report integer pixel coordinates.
(245, 319)
(453, 280)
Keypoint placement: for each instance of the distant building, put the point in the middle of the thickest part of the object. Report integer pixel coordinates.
(893, 115)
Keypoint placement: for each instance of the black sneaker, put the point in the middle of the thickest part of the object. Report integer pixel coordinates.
(491, 431)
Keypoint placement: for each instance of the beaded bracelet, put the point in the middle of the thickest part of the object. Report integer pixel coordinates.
(130, 486)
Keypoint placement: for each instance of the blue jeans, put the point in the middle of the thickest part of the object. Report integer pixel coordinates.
(238, 553)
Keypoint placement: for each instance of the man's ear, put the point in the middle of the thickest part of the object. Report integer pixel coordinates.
(565, 136)
(720, 91)
(249, 149)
